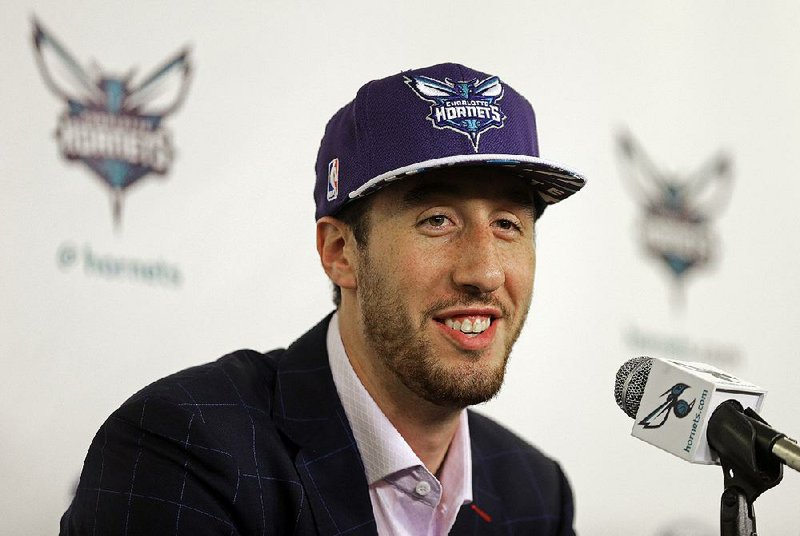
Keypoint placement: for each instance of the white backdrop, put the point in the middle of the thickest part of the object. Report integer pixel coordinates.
(234, 218)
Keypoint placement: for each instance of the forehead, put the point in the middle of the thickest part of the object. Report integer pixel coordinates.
(456, 184)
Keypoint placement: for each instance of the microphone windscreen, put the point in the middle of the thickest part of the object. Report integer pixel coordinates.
(629, 385)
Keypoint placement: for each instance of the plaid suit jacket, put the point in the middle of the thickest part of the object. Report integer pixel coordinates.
(258, 444)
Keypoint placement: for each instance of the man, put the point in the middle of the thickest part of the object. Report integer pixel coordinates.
(428, 188)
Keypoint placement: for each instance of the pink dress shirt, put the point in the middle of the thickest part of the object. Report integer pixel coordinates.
(407, 499)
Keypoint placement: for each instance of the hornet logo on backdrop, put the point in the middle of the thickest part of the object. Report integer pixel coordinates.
(676, 224)
(680, 408)
(467, 107)
(113, 124)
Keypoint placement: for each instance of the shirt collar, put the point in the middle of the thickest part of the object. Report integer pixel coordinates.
(383, 450)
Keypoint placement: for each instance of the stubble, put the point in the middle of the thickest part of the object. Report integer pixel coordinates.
(404, 348)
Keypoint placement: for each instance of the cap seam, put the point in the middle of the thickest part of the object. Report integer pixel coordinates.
(367, 134)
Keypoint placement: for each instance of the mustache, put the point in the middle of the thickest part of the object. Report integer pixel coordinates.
(466, 300)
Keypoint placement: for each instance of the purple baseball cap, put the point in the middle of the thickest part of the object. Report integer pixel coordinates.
(444, 115)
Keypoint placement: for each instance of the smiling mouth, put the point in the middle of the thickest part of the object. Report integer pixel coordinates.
(470, 325)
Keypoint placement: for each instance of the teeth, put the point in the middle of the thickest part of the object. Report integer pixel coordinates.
(478, 325)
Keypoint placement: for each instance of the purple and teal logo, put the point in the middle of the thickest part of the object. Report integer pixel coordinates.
(467, 107)
(678, 212)
(114, 125)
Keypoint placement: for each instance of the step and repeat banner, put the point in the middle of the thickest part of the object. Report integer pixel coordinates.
(156, 212)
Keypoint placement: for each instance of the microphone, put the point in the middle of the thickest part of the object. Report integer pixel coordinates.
(697, 412)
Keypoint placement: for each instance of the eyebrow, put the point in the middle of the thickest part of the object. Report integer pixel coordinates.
(424, 191)
(427, 189)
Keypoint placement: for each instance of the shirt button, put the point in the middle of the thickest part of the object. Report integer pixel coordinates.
(423, 488)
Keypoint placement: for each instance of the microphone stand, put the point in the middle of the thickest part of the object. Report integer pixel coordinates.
(744, 443)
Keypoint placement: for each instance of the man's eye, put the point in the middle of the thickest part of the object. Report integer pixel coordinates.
(507, 225)
(436, 221)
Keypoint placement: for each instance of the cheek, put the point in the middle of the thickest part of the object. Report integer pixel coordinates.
(410, 267)
(418, 264)
(383, 264)
(520, 268)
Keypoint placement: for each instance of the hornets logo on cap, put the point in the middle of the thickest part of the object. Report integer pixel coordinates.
(467, 107)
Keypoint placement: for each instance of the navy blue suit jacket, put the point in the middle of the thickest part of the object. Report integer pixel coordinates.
(257, 444)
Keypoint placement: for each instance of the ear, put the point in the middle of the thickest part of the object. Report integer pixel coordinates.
(337, 251)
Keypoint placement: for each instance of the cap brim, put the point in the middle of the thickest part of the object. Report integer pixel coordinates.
(553, 182)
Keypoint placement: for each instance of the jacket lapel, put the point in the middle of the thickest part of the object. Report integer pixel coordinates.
(307, 410)
(485, 515)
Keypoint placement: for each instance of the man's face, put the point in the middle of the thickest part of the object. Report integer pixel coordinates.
(445, 280)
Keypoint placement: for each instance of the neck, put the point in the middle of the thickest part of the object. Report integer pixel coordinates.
(426, 427)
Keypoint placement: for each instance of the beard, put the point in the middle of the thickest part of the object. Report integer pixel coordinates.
(405, 350)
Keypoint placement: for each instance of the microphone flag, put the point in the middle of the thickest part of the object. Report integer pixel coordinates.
(677, 402)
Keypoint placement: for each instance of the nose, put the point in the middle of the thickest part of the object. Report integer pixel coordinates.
(478, 268)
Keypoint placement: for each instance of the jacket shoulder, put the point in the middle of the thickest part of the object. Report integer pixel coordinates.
(518, 479)
(243, 374)
(492, 437)
(194, 441)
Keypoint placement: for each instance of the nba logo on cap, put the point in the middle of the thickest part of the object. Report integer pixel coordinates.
(333, 179)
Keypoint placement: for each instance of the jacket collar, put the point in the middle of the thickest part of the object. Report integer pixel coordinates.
(308, 412)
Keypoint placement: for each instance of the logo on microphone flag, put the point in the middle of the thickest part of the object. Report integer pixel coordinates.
(679, 407)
